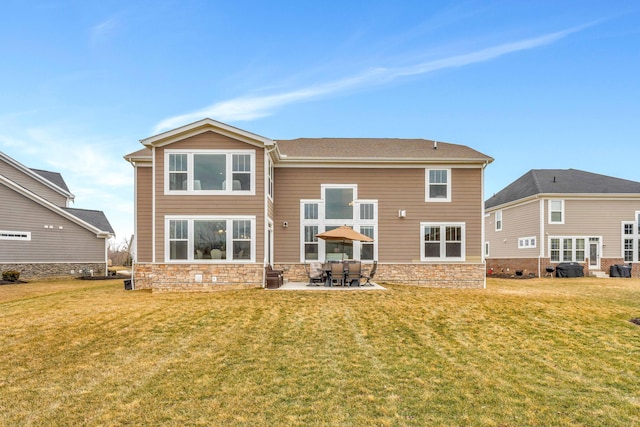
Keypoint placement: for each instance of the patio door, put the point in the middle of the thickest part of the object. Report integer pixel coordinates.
(594, 253)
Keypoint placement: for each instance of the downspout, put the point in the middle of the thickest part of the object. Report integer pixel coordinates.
(482, 229)
(542, 238)
(266, 212)
(153, 204)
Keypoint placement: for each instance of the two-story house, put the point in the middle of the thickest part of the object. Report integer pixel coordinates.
(549, 216)
(40, 234)
(214, 204)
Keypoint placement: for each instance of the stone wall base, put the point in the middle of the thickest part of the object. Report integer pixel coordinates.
(428, 275)
(196, 277)
(56, 270)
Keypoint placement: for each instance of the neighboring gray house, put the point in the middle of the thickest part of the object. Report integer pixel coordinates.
(40, 235)
(548, 216)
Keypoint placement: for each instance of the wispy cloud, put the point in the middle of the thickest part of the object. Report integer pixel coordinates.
(104, 30)
(247, 108)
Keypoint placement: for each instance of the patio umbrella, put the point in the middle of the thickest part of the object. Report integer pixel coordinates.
(343, 234)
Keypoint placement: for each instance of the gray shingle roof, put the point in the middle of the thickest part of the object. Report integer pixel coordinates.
(53, 177)
(561, 181)
(95, 218)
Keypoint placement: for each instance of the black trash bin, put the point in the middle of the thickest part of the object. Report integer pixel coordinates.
(620, 270)
(127, 285)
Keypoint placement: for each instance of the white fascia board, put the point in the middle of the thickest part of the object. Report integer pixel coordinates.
(205, 125)
(375, 163)
(35, 176)
(45, 203)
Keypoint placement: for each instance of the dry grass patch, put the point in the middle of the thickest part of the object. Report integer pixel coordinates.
(527, 352)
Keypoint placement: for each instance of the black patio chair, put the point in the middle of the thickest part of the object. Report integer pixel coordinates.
(370, 274)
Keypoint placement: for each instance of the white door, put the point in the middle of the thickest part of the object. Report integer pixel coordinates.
(594, 255)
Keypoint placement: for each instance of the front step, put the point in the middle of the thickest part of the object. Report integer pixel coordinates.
(599, 274)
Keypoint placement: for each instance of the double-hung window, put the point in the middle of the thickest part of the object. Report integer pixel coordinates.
(567, 249)
(210, 172)
(438, 185)
(631, 239)
(556, 211)
(210, 239)
(498, 220)
(442, 241)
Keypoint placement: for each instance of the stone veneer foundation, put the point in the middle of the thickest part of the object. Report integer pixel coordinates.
(55, 270)
(212, 277)
(196, 277)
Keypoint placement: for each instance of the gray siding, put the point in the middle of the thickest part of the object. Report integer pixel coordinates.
(595, 217)
(32, 184)
(517, 222)
(71, 243)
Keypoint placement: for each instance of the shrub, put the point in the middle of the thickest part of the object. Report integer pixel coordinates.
(10, 275)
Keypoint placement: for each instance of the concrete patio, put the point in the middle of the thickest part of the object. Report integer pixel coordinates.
(305, 286)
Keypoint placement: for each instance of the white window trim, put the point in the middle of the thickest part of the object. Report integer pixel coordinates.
(323, 223)
(527, 242)
(562, 211)
(427, 182)
(443, 258)
(15, 235)
(229, 177)
(573, 247)
(486, 249)
(634, 236)
(498, 221)
(270, 178)
(191, 219)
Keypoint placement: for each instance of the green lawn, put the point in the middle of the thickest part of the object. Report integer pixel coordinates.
(535, 352)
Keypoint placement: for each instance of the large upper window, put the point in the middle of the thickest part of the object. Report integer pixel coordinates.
(210, 172)
(210, 239)
(556, 211)
(338, 206)
(442, 241)
(438, 185)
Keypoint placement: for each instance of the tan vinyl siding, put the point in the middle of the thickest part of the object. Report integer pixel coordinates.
(32, 184)
(517, 222)
(207, 204)
(399, 239)
(72, 243)
(593, 218)
(144, 213)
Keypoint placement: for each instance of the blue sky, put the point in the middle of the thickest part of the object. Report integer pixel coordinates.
(534, 84)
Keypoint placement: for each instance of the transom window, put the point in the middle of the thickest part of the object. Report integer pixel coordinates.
(442, 241)
(438, 185)
(526, 242)
(15, 235)
(210, 172)
(210, 239)
(556, 211)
